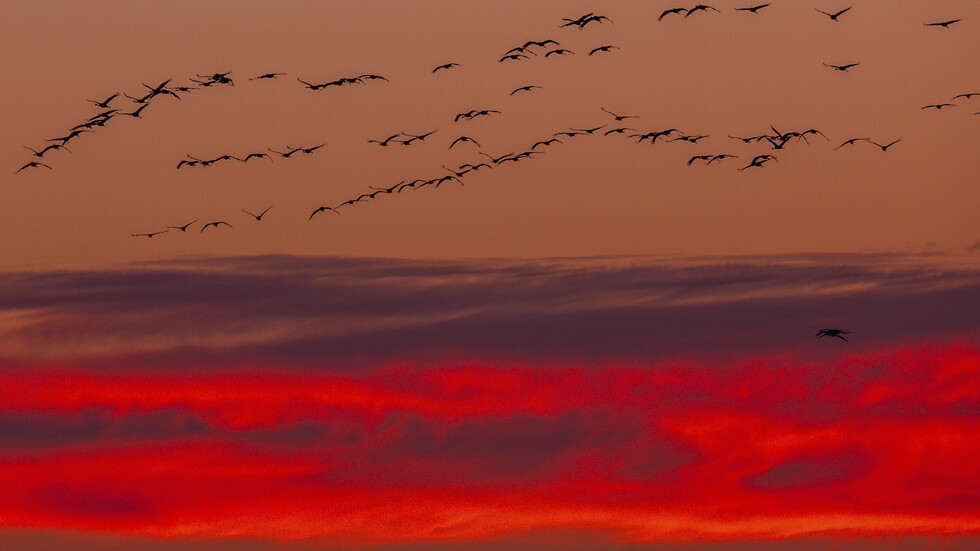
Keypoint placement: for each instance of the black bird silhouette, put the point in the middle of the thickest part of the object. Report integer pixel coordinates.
(603, 49)
(285, 155)
(224, 158)
(700, 7)
(569, 133)
(33, 164)
(268, 75)
(306, 150)
(671, 11)
(446, 66)
(619, 117)
(520, 50)
(842, 67)
(105, 103)
(698, 158)
(64, 140)
(527, 88)
(104, 115)
(497, 160)
(939, 106)
(215, 224)
(753, 9)
(46, 149)
(760, 160)
(485, 113)
(546, 142)
(943, 24)
(967, 95)
(814, 131)
(463, 139)
(182, 228)
(372, 77)
(321, 209)
(258, 217)
(721, 157)
(185, 162)
(419, 137)
(311, 86)
(587, 130)
(559, 51)
(151, 234)
(834, 16)
(136, 113)
(619, 130)
(516, 57)
(833, 333)
(691, 139)
(540, 44)
(257, 155)
(885, 147)
(387, 141)
(851, 141)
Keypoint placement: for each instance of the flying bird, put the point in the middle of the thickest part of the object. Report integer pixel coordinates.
(546, 142)
(885, 147)
(540, 44)
(671, 11)
(46, 149)
(385, 142)
(833, 333)
(559, 51)
(700, 7)
(603, 49)
(268, 75)
(939, 106)
(843, 68)
(760, 160)
(215, 224)
(33, 164)
(321, 209)
(463, 139)
(619, 118)
(151, 234)
(258, 217)
(136, 114)
(524, 89)
(105, 103)
(446, 66)
(182, 228)
(943, 24)
(257, 155)
(753, 9)
(834, 16)
(968, 95)
(851, 141)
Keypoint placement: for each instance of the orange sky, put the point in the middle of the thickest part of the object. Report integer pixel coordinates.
(716, 74)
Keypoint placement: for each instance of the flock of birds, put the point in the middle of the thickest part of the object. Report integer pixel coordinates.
(616, 125)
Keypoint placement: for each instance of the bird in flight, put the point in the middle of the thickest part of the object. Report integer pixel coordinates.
(939, 106)
(619, 118)
(559, 51)
(215, 224)
(671, 11)
(151, 234)
(446, 66)
(257, 155)
(603, 49)
(943, 24)
(105, 103)
(540, 44)
(258, 217)
(323, 208)
(268, 75)
(885, 147)
(46, 149)
(463, 139)
(515, 57)
(700, 7)
(967, 95)
(527, 88)
(834, 16)
(843, 68)
(851, 141)
(753, 9)
(136, 114)
(760, 160)
(385, 142)
(33, 164)
(839, 333)
(546, 142)
(182, 228)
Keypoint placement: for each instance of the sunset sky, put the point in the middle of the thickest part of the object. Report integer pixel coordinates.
(601, 346)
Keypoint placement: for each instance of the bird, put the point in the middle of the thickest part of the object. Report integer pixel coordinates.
(619, 130)
(33, 164)
(387, 141)
(497, 160)
(943, 24)
(306, 150)
(691, 139)
(939, 106)
(760, 160)
(833, 333)
(885, 147)
(700, 7)
(136, 113)
(520, 50)
(258, 217)
(527, 88)
(284, 155)
(698, 158)
(516, 57)
(967, 95)
(151, 234)
(671, 11)
(559, 51)
(619, 117)
(587, 130)
(225, 158)
(257, 155)
(182, 228)
(372, 77)
(419, 137)
(64, 140)
(185, 162)
(464, 139)
(603, 49)
(268, 75)
(105, 103)
(311, 86)
(321, 209)
(753, 9)
(842, 67)
(485, 112)
(546, 142)
(834, 16)
(46, 149)
(540, 44)
(721, 157)
(215, 224)
(446, 66)
(814, 131)
(851, 141)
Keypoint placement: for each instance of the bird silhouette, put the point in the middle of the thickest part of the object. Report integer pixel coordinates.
(321, 209)
(967, 95)
(753, 9)
(215, 224)
(588, 130)
(698, 158)
(619, 130)
(700, 7)
(268, 75)
(760, 160)
(104, 103)
(851, 141)
(559, 51)
(540, 44)
(939, 106)
(65, 139)
(527, 88)
(310, 85)
(373, 77)
(721, 157)
(619, 118)
(524, 50)
(516, 57)
(182, 228)
(46, 149)
(136, 114)
(885, 147)
(306, 150)
(151, 234)
(257, 156)
(258, 217)
(32, 164)
(603, 49)
(546, 142)
(446, 66)
(463, 139)
(943, 24)
(833, 333)
(670, 12)
(842, 68)
(387, 141)
(185, 162)
(834, 16)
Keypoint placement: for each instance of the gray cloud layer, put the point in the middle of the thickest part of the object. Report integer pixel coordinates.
(342, 312)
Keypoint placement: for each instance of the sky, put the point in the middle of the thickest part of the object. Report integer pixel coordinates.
(598, 346)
